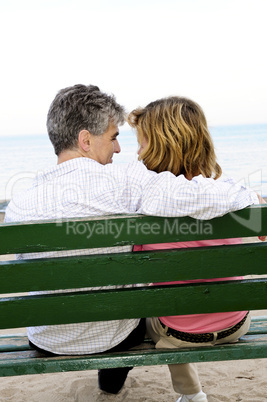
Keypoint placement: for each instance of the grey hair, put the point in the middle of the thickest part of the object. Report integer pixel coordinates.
(77, 108)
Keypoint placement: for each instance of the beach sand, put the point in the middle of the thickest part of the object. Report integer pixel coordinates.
(243, 380)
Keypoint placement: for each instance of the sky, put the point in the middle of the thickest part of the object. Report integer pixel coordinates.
(212, 51)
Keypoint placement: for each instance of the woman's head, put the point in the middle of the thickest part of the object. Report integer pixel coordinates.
(176, 137)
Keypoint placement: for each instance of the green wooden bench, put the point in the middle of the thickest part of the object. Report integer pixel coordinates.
(18, 309)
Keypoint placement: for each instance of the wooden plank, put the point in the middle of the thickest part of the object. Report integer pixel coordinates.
(66, 235)
(257, 318)
(14, 343)
(130, 268)
(258, 325)
(19, 342)
(29, 362)
(133, 303)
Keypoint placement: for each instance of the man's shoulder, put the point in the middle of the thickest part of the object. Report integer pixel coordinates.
(131, 169)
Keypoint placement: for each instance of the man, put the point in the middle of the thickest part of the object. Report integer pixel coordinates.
(83, 125)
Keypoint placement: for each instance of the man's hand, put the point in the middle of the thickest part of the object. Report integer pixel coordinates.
(261, 201)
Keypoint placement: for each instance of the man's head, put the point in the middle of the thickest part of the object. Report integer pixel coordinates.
(83, 117)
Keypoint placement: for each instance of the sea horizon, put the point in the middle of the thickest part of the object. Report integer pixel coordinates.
(240, 150)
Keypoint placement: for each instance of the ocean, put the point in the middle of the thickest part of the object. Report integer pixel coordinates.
(241, 151)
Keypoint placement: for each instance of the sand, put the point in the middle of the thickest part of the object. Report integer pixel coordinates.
(243, 380)
(223, 381)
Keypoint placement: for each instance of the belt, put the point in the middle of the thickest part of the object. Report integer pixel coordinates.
(206, 337)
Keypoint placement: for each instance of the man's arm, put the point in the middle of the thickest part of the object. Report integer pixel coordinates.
(164, 194)
(261, 201)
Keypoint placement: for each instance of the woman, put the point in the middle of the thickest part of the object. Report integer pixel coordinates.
(173, 135)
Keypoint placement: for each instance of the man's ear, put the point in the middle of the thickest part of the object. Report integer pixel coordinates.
(84, 140)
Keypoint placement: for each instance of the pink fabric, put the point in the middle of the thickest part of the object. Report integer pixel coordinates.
(198, 323)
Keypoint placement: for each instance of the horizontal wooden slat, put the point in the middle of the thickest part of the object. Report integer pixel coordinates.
(14, 343)
(19, 342)
(130, 268)
(133, 303)
(127, 268)
(67, 235)
(258, 326)
(29, 362)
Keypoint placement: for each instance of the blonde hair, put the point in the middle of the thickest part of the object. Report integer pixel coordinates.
(178, 138)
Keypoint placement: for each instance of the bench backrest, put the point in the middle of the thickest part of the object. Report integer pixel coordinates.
(16, 277)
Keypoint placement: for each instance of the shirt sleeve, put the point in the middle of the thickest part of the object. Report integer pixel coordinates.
(164, 194)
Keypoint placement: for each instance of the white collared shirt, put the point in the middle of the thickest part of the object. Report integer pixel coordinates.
(83, 187)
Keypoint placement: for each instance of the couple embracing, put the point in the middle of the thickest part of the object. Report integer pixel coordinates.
(177, 167)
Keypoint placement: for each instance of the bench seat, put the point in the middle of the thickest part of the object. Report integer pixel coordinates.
(18, 309)
(18, 358)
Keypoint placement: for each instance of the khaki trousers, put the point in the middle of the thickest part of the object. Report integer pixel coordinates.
(184, 377)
